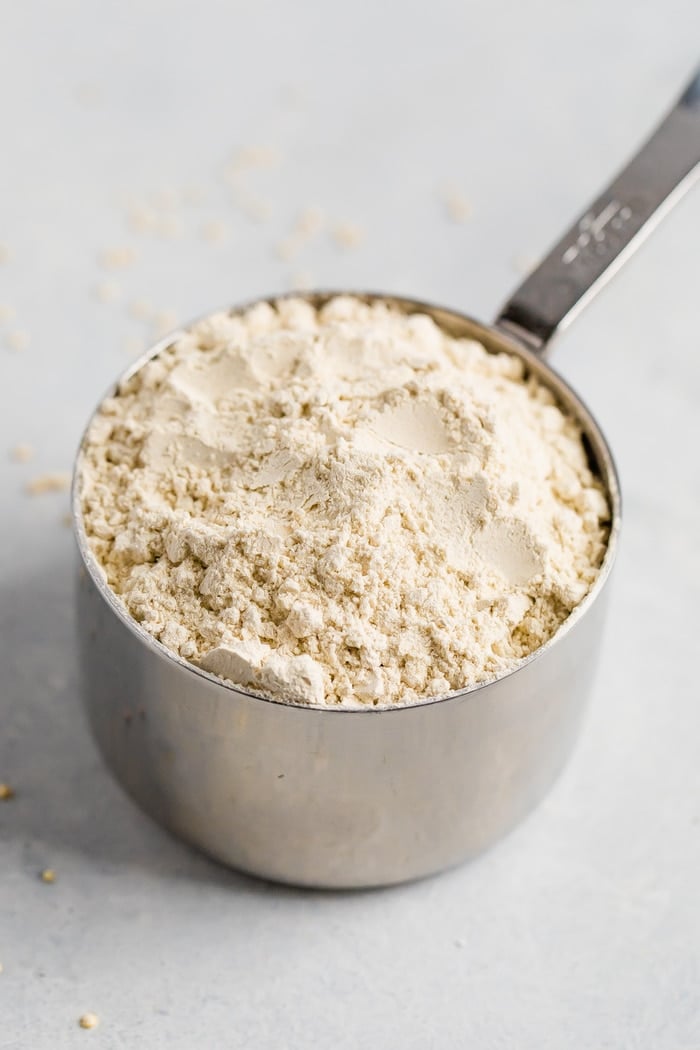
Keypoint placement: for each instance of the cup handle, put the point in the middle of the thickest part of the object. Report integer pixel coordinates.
(609, 230)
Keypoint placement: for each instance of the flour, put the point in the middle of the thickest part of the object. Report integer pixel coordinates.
(341, 506)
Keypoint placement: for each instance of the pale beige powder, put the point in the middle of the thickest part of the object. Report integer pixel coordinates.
(341, 506)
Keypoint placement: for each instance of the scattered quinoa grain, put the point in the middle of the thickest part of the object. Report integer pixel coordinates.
(348, 234)
(214, 231)
(17, 339)
(108, 292)
(141, 219)
(118, 258)
(57, 481)
(310, 222)
(248, 157)
(22, 453)
(456, 204)
(48, 875)
(89, 1021)
(7, 312)
(7, 792)
(66, 520)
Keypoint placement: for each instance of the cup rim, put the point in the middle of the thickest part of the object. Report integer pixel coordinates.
(495, 340)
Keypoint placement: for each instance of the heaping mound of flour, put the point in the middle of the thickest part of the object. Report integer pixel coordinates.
(341, 506)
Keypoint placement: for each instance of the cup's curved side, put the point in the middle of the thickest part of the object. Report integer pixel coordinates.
(330, 798)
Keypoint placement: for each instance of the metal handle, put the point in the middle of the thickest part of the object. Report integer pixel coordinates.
(610, 229)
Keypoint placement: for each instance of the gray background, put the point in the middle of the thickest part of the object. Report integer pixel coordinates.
(582, 929)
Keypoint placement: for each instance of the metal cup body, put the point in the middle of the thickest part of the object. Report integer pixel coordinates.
(336, 797)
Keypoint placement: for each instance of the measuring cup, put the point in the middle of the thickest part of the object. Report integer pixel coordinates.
(339, 797)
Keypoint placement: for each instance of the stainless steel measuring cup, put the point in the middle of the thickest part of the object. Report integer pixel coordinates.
(337, 797)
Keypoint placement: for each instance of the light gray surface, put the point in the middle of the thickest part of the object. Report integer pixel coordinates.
(581, 930)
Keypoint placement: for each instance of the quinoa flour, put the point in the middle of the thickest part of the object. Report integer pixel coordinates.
(341, 505)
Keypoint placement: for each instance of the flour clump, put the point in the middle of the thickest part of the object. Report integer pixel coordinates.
(341, 505)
